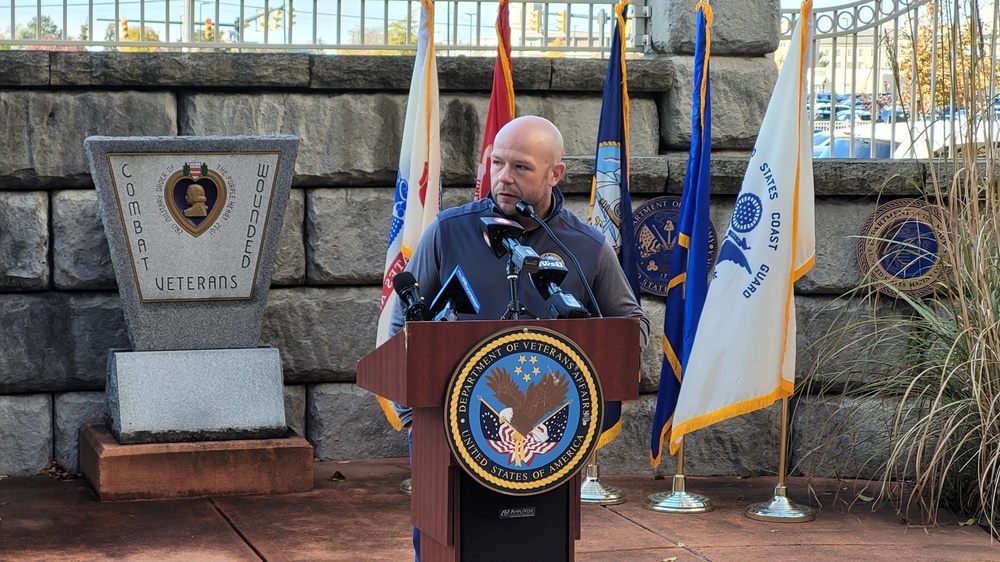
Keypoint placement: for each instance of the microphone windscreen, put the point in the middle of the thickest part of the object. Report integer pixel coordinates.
(524, 209)
(403, 280)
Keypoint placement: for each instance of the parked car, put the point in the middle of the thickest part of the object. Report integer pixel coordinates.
(886, 115)
(821, 140)
(823, 111)
(862, 149)
(859, 115)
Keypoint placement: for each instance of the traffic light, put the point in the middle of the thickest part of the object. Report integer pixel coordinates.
(561, 20)
(535, 20)
(276, 18)
(289, 15)
(209, 30)
(123, 28)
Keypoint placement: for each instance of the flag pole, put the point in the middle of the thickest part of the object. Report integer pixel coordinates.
(780, 509)
(679, 500)
(594, 491)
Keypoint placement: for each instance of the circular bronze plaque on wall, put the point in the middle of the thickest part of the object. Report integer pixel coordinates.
(899, 247)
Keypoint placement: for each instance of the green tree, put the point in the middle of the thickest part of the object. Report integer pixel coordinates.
(373, 36)
(132, 34)
(954, 57)
(49, 29)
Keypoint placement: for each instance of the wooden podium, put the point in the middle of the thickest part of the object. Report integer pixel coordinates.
(414, 368)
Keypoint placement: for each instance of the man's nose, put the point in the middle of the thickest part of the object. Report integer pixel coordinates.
(503, 174)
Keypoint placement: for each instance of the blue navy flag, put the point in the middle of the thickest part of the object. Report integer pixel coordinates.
(688, 281)
(743, 356)
(610, 203)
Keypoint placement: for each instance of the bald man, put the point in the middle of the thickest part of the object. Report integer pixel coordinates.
(526, 165)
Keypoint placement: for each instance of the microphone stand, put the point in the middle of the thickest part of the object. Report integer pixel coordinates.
(514, 308)
(592, 489)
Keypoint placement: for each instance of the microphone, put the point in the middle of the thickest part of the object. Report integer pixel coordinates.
(408, 290)
(550, 274)
(502, 236)
(456, 297)
(525, 210)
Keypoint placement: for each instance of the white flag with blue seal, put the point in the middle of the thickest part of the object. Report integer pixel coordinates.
(743, 355)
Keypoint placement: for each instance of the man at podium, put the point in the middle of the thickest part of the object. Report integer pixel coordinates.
(526, 166)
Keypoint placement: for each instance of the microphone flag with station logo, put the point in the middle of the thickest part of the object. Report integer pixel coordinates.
(418, 180)
(455, 297)
(743, 355)
(610, 202)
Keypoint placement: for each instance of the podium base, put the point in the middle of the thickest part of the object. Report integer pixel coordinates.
(178, 470)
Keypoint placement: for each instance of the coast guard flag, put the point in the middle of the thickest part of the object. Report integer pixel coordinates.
(743, 358)
(688, 281)
(501, 109)
(418, 181)
(610, 204)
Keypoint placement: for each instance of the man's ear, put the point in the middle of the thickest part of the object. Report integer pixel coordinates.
(558, 171)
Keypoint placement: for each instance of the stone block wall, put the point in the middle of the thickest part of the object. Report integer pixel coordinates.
(59, 307)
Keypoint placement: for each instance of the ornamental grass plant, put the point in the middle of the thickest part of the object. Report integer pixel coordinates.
(925, 370)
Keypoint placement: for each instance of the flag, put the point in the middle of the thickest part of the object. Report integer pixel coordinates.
(610, 204)
(688, 280)
(743, 356)
(501, 109)
(419, 167)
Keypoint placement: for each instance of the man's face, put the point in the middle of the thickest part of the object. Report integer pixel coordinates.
(519, 173)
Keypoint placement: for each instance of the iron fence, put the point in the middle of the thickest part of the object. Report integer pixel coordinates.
(572, 27)
(890, 77)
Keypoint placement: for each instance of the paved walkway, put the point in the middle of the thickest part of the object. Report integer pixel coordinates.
(356, 513)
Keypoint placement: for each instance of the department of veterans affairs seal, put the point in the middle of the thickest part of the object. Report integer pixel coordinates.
(899, 247)
(523, 411)
(656, 223)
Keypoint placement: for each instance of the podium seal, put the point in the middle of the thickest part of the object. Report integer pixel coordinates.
(656, 223)
(899, 248)
(523, 411)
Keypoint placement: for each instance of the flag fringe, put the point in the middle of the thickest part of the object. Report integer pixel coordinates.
(390, 412)
(664, 436)
(609, 435)
(784, 390)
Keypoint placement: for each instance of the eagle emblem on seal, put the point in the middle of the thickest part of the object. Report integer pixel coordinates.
(525, 427)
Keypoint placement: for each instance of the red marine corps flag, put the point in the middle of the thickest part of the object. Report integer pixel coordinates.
(418, 181)
(501, 109)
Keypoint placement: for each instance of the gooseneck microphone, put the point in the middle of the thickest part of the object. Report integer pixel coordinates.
(503, 235)
(550, 274)
(408, 290)
(525, 210)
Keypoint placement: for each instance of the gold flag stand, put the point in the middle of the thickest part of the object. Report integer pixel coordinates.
(592, 490)
(679, 500)
(780, 509)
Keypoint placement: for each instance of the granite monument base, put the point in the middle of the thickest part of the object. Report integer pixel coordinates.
(196, 395)
(178, 470)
